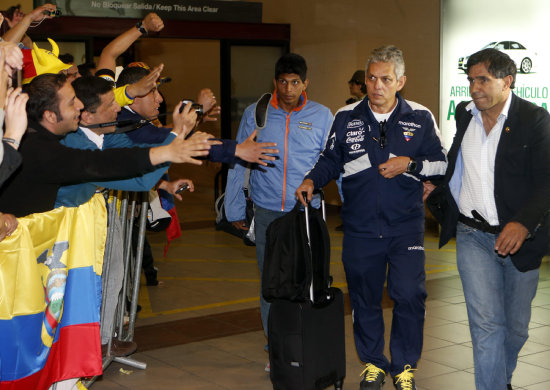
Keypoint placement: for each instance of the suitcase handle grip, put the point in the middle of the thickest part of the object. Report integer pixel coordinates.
(306, 210)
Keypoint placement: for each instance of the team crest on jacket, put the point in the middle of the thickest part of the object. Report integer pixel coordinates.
(409, 129)
(408, 135)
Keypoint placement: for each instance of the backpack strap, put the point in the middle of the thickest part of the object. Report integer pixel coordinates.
(260, 120)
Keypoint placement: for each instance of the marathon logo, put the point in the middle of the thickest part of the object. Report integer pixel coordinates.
(354, 124)
(410, 124)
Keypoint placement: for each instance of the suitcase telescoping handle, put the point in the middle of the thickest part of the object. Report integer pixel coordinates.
(306, 210)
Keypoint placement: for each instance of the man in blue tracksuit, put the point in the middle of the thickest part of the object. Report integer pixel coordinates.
(299, 127)
(384, 146)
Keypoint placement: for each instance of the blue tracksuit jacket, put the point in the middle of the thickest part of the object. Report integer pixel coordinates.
(300, 136)
(375, 206)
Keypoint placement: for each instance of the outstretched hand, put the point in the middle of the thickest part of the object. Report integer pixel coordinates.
(198, 145)
(256, 152)
(208, 116)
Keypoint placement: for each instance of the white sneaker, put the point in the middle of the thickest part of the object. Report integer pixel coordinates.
(267, 367)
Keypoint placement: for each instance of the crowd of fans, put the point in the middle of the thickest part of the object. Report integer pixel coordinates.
(58, 131)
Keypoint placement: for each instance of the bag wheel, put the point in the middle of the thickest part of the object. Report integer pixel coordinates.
(339, 384)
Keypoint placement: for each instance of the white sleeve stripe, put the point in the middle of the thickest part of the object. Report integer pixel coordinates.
(433, 168)
(360, 164)
(349, 107)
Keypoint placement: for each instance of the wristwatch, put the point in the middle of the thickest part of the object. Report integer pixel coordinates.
(139, 26)
(412, 166)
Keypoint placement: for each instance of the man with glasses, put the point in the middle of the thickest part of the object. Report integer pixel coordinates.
(385, 147)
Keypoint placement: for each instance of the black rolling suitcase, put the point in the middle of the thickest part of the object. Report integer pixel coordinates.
(307, 338)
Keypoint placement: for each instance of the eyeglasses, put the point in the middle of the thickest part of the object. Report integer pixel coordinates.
(382, 140)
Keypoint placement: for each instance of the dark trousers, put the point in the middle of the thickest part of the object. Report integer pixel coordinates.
(367, 262)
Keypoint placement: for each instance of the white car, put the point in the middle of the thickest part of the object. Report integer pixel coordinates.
(522, 57)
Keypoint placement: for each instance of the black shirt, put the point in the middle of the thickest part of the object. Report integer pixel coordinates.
(47, 165)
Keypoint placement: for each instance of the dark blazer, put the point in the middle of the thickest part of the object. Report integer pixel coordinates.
(522, 179)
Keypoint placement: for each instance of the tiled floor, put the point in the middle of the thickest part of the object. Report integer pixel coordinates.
(201, 329)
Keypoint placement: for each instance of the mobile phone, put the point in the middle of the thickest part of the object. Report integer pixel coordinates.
(182, 188)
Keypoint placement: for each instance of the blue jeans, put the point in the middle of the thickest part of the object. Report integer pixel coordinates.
(262, 219)
(498, 300)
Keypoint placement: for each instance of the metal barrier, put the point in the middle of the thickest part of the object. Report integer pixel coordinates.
(122, 214)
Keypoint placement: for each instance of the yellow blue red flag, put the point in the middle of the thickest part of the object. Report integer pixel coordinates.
(50, 281)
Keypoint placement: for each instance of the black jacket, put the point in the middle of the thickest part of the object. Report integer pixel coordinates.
(9, 163)
(47, 165)
(522, 179)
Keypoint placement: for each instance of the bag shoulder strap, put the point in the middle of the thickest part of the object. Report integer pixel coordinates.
(260, 120)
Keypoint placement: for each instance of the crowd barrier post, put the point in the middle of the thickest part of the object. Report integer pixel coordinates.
(131, 275)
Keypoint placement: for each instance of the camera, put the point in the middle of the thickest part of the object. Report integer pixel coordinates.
(55, 13)
(195, 106)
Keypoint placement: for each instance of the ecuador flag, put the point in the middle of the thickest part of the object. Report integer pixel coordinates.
(49, 315)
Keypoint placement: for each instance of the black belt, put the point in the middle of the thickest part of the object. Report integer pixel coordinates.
(479, 223)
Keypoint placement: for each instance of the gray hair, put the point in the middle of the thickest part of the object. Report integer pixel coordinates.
(391, 54)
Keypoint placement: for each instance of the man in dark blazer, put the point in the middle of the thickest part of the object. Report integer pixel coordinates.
(495, 199)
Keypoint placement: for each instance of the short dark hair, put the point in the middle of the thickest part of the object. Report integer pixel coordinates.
(89, 90)
(291, 63)
(131, 75)
(66, 58)
(43, 97)
(86, 68)
(498, 64)
(10, 11)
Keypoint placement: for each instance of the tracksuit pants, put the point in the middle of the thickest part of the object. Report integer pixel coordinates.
(367, 262)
